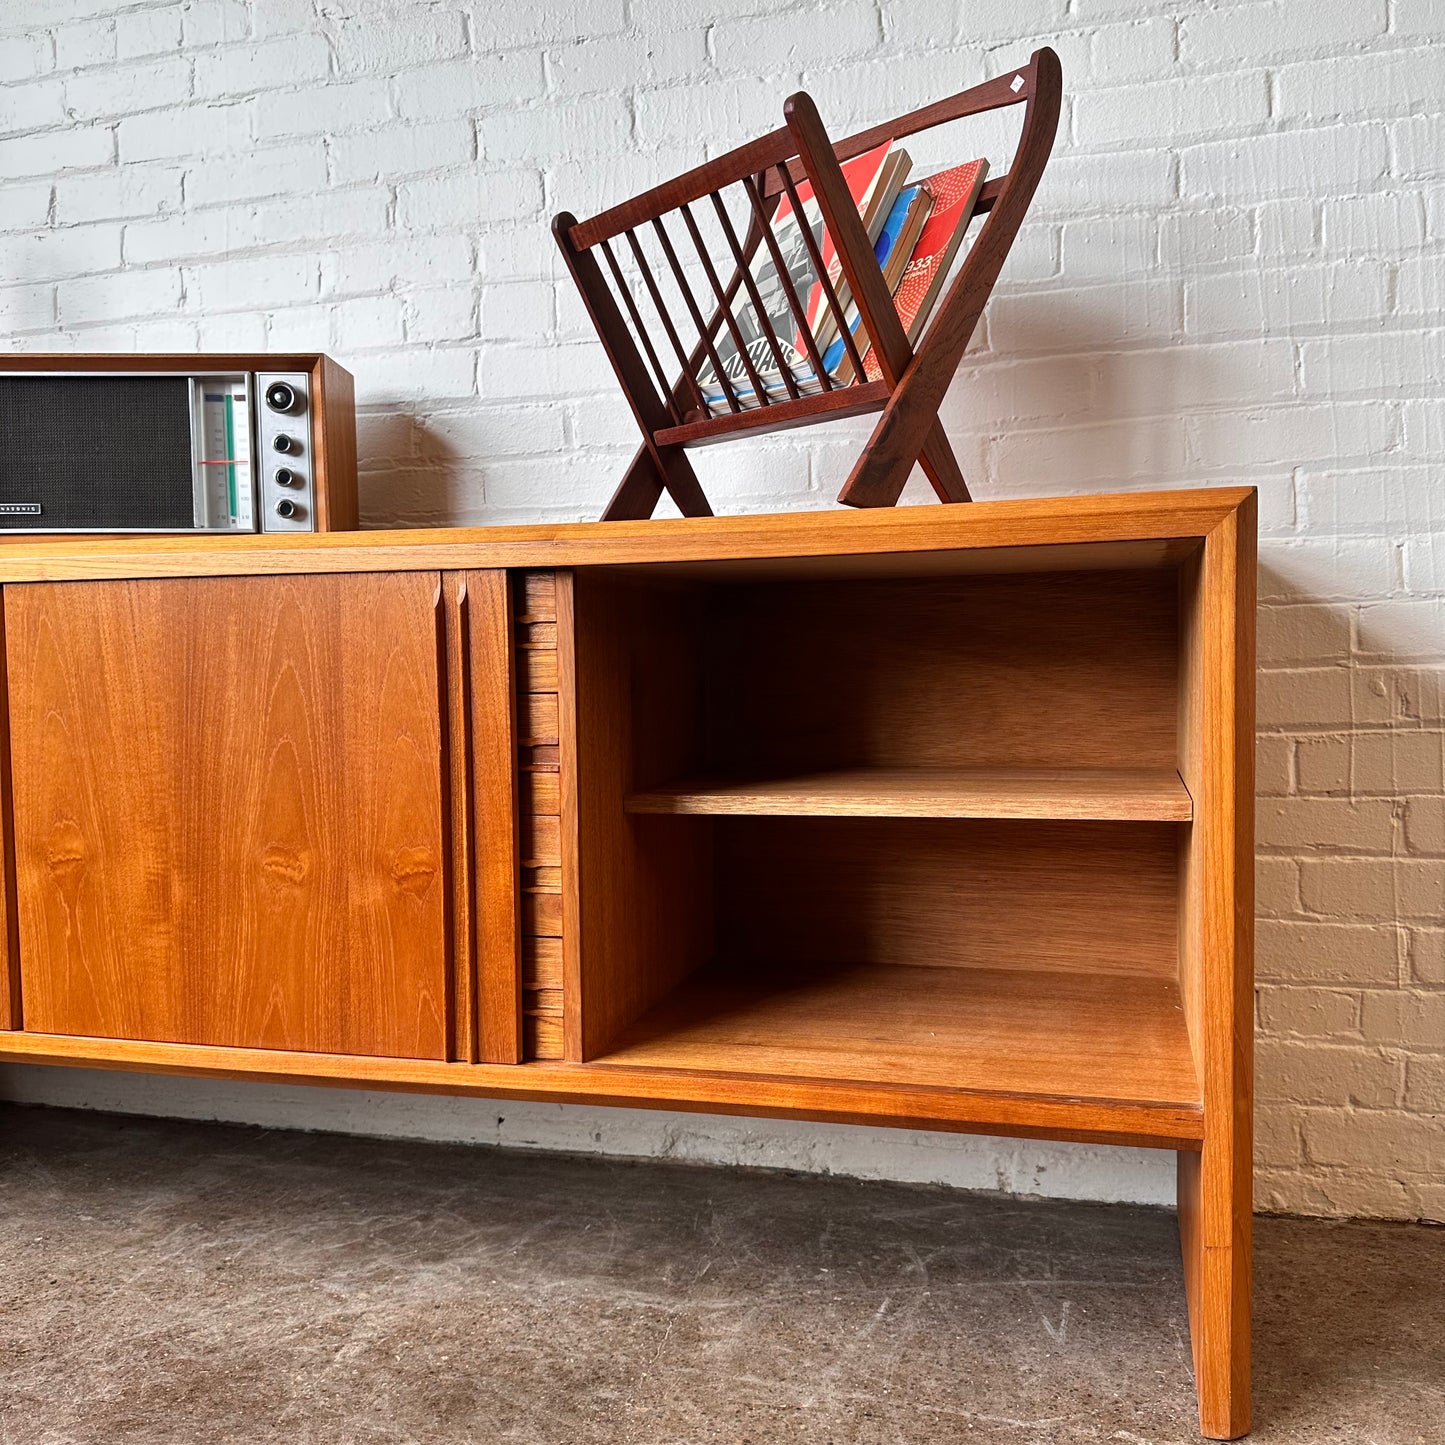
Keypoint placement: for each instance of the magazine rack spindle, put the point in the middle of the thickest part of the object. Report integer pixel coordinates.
(674, 416)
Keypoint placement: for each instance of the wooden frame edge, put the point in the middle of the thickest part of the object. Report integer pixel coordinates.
(11, 999)
(337, 487)
(887, 1105)
(1130, 516)
(492, 754)
(1216, 1186)
(573, 1002)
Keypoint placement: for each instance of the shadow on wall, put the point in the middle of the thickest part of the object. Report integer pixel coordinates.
(1056, 406)
(477, 464)
(1044, 401)
(412, 475)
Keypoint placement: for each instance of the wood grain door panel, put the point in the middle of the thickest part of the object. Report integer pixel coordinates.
(229, 820)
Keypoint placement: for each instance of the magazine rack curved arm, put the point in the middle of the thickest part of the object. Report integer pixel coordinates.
(673, 414)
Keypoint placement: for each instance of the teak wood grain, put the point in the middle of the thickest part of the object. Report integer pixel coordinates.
(10, 1008)
(1158, 1126)
(1081, 793)
(334, 398)
(907, 538)
(1098, 1038)
(944, 893)
(461, 893)
(489, 681)
(548, 912)
(1047, 670)
(228, 812)
(632, 693)
(826, 933)
(1216, 962)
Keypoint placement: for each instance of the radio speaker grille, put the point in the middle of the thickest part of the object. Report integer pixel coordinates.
(95, 452)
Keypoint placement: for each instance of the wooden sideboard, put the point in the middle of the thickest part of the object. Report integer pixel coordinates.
(934, 818)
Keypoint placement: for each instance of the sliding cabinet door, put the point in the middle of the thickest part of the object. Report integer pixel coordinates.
(230, 825)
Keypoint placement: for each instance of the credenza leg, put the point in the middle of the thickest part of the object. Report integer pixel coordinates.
(1214, 1237)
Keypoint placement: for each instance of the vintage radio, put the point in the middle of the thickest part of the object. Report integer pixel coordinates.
(205, 443)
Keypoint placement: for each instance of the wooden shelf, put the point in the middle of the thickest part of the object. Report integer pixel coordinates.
(1145, 794)
(1051, 1034)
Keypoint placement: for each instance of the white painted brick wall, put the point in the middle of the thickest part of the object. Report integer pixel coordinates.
(1232, 273)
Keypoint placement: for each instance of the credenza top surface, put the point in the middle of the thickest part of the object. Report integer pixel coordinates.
(1159, 527)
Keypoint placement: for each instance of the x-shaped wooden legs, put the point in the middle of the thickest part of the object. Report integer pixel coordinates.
(940, 466)
(643, 484)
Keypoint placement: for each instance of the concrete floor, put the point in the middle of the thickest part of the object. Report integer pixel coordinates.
(173, 1282)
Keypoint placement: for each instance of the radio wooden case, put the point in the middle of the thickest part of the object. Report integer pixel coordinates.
(228, 443)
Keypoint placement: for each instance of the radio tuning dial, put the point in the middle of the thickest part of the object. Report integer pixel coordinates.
(281, 397)
(283, 443)
(287, 508)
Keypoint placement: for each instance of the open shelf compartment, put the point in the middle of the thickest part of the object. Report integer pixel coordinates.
(886, 830)
(1102, 1038)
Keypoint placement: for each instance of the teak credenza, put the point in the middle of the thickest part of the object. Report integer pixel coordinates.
(935, 818)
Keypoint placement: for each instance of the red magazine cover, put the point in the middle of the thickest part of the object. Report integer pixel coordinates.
(863, 174)
(955, 193)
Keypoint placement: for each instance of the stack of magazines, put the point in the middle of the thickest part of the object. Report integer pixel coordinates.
(916, 229)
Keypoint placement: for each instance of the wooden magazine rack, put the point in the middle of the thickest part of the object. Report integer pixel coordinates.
(674, 415)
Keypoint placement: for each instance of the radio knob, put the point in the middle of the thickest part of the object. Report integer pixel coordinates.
(283, 443)
(285, 477)
(287, 508)
(281, 397)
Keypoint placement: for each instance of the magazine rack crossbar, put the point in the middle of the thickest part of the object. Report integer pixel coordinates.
(673, 415)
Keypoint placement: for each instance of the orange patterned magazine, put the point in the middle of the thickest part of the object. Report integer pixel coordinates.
(955, 193)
